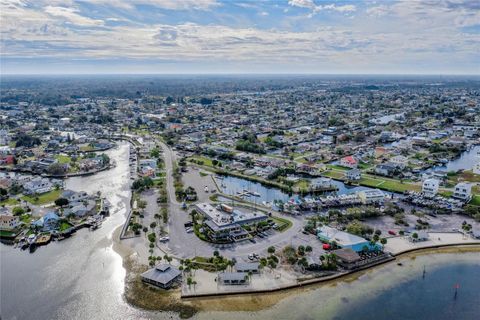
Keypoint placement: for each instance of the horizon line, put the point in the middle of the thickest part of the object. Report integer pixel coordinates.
(242, 74)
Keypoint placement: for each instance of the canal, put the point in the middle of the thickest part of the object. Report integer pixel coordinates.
(232, 186)
(466, 161)
(80, 277)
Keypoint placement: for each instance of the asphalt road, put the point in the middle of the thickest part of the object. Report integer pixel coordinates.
(187, 245)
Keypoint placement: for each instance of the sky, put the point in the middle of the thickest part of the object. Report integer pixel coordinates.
(244, 36)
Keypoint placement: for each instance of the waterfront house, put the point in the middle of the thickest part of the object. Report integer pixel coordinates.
(38, 185)
(430, 187)
(48, 222)
(72, 196)
(463, 191)
(349, 162)
(371, 196)
(8, 222)
(353, 175)
(162, 275)
(80, 208)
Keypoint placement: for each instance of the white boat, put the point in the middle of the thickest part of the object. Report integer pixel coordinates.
(31, 239)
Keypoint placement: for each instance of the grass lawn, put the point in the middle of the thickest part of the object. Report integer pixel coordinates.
(44, 198)
(26, 218)
(64, 226)
(475, 200)
(334, 174)
(370, 182)
(86, 148)
(283, 224)
(206, 161)
(336, 166)
(446, 194)
(63, 159)
(396, 186)
(9, 202)
(365, 166)
(302, 185)
(7, 234)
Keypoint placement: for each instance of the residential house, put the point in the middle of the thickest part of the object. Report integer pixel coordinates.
(353, 175)
(430, 187)
(385, 170)
(48, 222)
(371, 196)
(349, 162)
(399, 161)
(38, 185)
(8, 222)
(73, 196)
(463, 191)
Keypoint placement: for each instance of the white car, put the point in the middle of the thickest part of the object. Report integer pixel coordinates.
(164, 239)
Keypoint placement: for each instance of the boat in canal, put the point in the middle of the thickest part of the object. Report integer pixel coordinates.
(31, 239)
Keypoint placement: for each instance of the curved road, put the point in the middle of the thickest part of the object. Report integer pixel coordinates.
(187, 245)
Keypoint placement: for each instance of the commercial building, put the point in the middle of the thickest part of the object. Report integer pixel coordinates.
(233, 278)
(344, 239)
(162, 276)
(224, 223)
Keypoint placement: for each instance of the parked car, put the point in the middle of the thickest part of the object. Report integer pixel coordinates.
(391, 232)
(164, 239)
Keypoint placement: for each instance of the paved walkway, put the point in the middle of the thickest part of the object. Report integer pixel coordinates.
(398, 245)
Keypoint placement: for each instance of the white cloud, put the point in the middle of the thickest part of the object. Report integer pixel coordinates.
(165, 4)
(71, 15)
(310, 4)
(381, 35)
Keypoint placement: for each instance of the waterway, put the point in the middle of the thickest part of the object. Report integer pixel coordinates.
(78, 278)
(232, 185)
(466, 161)
(387, 292)
(82, 278)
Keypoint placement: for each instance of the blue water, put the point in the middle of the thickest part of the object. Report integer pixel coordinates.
(429, 298)
(232, 185)
(466, 161)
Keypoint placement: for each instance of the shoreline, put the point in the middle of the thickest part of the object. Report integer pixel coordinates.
(144, 297)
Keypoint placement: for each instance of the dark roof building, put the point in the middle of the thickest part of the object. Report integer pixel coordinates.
(163, 276)
(247, 267)
(233, 278)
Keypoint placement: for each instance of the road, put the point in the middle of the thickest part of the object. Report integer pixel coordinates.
(187, 245)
